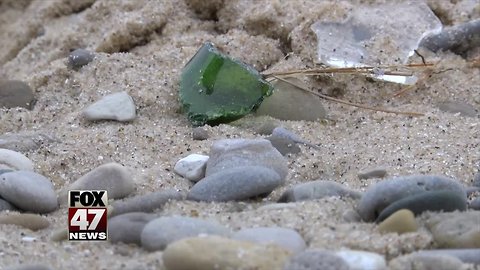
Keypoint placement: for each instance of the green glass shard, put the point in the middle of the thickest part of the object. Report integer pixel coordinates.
(215, 88)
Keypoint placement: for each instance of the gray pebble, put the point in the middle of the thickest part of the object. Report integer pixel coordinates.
(16, 94)
(28, 191)
(382, 194)
(146, 203)
(117, 106)
(282, 132)
(458, 107)
(79, 58)
(23, 142)
(162, 231)
(12, 160)
(284, 146)
(455, 229)
(127, 228)
(375, 172)
(471, 256)
(232, 184)
(192, 167)
(316, 260)
(200, 134)
(4, 206)
(475, 204)
(284, 237)
(316, 190)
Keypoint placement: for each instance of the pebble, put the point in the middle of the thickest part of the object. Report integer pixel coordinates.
(146, 203)
(16, 94)
(284, 146)
(286, 238)
(24, 142)
(4, 206)
(416, 261)
(28, 191)
(200, 134)
(127, 228)
(112, 177)
(29, 221)
(232, 153)
(475, 204)
(382, 194)
(192, 167)
(316, 260)
(14, 161)
(362, 260)
(455, 230)
(471, 256)
(375, 172)
(117, 106)
(435, 201)
(458, 107)
(316, 190)
(476, 180)
(160, 232)
(233, 184)
(79, 58)
(402, 221)
(282, 132)
(213, 252)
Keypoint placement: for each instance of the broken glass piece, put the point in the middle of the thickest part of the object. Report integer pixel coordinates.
(216, 89)
(386, 34)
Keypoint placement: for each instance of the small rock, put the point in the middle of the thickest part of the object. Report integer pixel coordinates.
(232, 184)
(213, 252)
(286, 238)
(435, 201)
(316, 260)
(402, 221)
(282, 132)
(24, 142)
(362, 260)
(146, 203)
(118, 106)
(475, 204)
(458, 107)
(232, 153)
(375, 172)
(316, 190)
(455, 230)
(16, 94)
(4, 206)
(112, 177)
(79, 58)
(416, 261)
(284, 146)
(200, 134)
(15, 161)
(476, 180)
(471, 256)
(28, 191)
(192, 167)
(162, 231)
(29, 221)
(127, 228)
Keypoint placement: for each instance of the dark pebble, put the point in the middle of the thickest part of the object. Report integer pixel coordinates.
(79, 58)
(16, 94)
(200, 134)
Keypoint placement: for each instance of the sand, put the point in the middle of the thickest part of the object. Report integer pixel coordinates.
(141, 47)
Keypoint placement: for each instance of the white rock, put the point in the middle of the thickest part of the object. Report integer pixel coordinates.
(362, 260)
(192, 167)
(15, 161)
(118, 106)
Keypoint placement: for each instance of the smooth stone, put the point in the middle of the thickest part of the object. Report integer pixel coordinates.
(6, 206)
(374, 172)
(286, 238)
(471, 256)
(476, 180)
(362, 260)
(232, 153)
(15, 161)
(317, 190)
(29, 267)
(28, 191)
(458, 107)
(160, 232)
(192, 167)
(455, 230)
(146, 203)
(200, 134)
(233, 184)
(284, 146)
(29, 221)
(24, 142)
(112, 177)
(117, 106)
(416, 261)
(127, 228)
(213, 252)
(434, 201)
(402, 221)
(475, 204)
(79, 58)
(382, 194)
(313, 259)
(16, 94)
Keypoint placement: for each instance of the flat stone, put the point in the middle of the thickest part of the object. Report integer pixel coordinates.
(286, 238)
(471, 256)
(455, 230)
(373, 172)
(382, 194)
(313, 259)
(14, 161)
(24, 142)
(127, 228)
(402, 221)
(232, 153)
(213, 252)
(160, 232)
(317, 190)
(362, 260)
(425, 261)
(233, 184)
(475, 204)
(79, 58)
(458, 107)
(200, 134)
(192, 167)
(112, 177)
(16, 94)
(4, 206)
(29, 221)
(117, 106)
(146, 203)
(435, 201)
(284, 146)
(28, 191)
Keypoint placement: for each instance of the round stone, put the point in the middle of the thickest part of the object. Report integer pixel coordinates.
(79, 58)
(16, 94)
(29, 221)
(200, 134)
(456, 229)
(402, 221)
(192, 167)
(117, 106)
(362, 260)
(316, 190)
(127, 228)
(15, 161)
(316, 260)
(287, 238)
(374, 172)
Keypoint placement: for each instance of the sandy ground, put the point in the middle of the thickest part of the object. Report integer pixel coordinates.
(142, 47)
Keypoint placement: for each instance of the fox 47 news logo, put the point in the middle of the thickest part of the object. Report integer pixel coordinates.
(87, 215)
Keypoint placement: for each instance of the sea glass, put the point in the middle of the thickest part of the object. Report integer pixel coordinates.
(215, 88)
